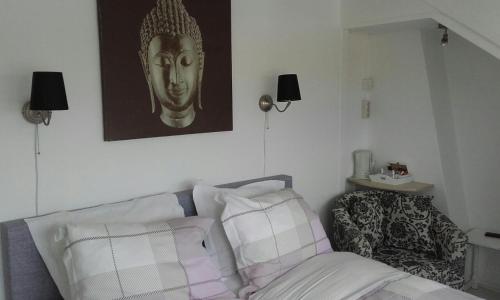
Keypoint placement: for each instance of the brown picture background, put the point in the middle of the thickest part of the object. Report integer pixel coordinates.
(126, 101)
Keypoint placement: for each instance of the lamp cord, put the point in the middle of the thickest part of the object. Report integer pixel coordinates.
(37, 153)
(266, 128)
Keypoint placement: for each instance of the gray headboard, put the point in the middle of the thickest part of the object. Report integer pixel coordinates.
(25, 274)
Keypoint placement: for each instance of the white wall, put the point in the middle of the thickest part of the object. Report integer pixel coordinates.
(356, 133)
(401, 127)
(474, 78)
(78, 169)
(445, 126)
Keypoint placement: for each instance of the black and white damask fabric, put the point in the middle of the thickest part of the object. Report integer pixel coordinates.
(408, 223)
(404, 231)
(421, 264)
(368, 216)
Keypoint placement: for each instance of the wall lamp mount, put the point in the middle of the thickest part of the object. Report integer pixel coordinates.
(36, 116)
(288, 91)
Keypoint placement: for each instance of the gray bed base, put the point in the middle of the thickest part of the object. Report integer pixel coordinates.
(25, 274)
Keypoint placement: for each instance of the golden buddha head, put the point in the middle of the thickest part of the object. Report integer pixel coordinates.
(172, 58)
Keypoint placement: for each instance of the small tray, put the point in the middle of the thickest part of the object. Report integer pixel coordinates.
(382, 178)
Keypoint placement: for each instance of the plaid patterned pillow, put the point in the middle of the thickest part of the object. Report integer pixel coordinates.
(142, 261)
(271, 234)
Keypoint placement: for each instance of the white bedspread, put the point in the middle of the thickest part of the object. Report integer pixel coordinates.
(348, 276)
(333, 276)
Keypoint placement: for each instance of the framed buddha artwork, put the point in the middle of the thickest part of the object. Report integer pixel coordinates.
(165, 67)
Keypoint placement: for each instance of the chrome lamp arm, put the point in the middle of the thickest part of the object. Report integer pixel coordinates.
(266, 103)
(286, 107)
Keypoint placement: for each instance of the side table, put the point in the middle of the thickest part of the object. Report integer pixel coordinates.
(477, 240)
(411, 187)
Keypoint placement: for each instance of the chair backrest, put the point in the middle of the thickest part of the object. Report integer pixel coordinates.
(394, 219)
(367, 212)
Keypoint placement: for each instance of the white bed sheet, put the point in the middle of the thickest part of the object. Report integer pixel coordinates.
(347, 276)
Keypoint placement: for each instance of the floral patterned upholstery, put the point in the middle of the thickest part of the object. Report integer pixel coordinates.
(408, 222)
(404, 231)
(368, 216)
(420, 264)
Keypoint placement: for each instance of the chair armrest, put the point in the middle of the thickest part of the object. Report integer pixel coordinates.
(451, 242)
(347, 236)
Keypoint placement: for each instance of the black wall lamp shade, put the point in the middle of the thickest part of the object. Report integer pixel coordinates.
(288, 88)
(48, 92)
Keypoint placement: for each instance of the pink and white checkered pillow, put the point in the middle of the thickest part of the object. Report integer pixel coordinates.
(142, 261)
(271, 234)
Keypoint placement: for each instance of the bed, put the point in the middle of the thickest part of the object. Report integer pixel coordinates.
(26, 276)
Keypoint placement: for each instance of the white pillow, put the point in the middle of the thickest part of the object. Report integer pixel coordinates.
(207, 205)
(271, 234)
(163, 260)
(142, 210)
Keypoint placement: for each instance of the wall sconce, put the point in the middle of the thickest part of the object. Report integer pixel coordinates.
(47, 94)
(288, 91)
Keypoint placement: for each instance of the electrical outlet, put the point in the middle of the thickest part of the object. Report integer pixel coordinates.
(367, 84)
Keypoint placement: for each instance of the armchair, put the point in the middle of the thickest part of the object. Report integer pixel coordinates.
(348, 237)
(404, 231)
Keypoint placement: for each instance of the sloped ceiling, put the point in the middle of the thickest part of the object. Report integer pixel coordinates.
(477, 21)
